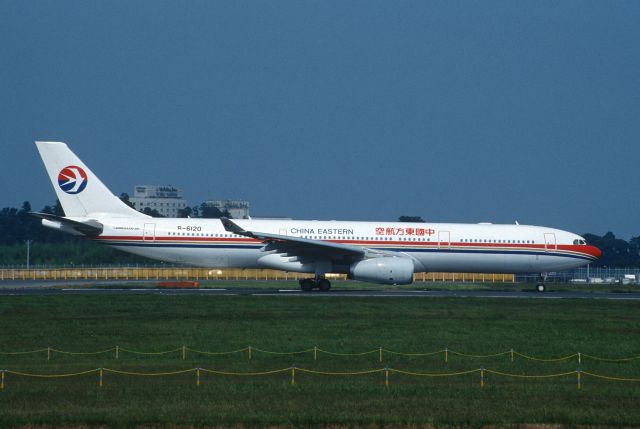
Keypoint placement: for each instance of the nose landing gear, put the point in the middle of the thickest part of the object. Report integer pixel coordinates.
(540, 287)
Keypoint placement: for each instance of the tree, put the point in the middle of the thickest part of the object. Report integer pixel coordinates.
(26, 207)
(210, 212)
(634, 247)
(57, 209)
(28, 225)
(124, 197)
(151, 212)
(411, 219)
(185, 212)
(616, 252)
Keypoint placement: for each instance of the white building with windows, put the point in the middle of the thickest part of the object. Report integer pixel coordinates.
(167, 200)
(237, 209)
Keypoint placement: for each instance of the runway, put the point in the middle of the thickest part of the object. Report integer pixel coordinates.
(35, 288)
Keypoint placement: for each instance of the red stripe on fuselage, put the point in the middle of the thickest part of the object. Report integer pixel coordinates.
(590, 251)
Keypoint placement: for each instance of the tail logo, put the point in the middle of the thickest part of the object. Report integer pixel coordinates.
(72, 179)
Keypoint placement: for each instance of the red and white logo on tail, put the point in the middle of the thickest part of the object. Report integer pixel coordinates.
(72, 179)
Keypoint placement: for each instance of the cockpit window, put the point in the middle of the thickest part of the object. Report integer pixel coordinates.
(579, 242)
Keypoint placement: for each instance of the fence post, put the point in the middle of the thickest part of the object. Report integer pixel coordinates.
(315, 352)
(249, 352)
(2, 380)
(386, 376)
(579, 358)
(380, 354)
(579, 383)
(511, 355)
(197, 376)
(101, 376)
(184, 352)
(446, 355)
(117, 351)
(48, 352)
(293, 375)
(481, 377)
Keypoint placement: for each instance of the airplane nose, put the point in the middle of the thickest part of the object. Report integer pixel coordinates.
(594, 251)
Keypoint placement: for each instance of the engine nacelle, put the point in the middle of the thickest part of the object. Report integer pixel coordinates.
(388, 270)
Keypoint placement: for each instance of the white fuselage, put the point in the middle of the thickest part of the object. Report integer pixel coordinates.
(379, 252)
(436, 247)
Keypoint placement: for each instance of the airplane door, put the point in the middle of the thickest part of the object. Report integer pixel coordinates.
(444, 239)
(149, 233)
(550, 241)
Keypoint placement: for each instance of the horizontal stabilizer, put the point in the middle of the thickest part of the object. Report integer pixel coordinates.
(89, 227)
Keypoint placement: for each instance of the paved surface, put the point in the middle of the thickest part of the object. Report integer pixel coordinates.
(12, 288)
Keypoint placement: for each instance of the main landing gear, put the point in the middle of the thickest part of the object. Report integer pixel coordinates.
(319, 283)
(540, 287)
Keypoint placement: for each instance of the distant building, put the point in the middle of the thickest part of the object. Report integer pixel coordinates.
(167, 200)
(237, 209)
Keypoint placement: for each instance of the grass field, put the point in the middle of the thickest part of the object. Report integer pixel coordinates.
(545, 328)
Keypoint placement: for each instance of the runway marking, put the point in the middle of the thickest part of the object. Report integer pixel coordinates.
(105, 289)
(175, 293)
(139, 290)
(330, 295)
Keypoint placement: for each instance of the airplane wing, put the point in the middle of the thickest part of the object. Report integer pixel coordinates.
(302, 247)
(89, 227)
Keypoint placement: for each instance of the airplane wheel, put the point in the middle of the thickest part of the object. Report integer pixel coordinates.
(306, 285)
(324, 285)
(540, 287)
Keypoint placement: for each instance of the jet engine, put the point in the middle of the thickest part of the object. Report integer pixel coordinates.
(390, 270)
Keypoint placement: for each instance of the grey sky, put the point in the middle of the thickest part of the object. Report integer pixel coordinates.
(455, 111)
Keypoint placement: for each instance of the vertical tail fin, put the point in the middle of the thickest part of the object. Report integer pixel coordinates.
(80, 191)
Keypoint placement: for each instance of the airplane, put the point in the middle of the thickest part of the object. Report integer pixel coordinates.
(375, 252)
